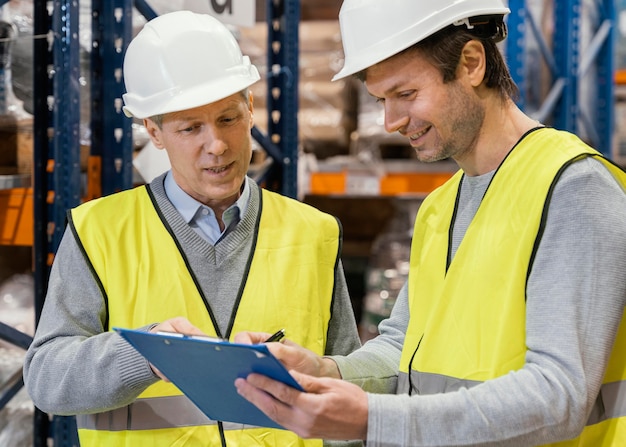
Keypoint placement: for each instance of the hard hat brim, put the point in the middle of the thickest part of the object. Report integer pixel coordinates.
(188, 98)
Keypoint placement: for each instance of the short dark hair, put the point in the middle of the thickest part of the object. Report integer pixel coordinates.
(157, 119)
(444, 48)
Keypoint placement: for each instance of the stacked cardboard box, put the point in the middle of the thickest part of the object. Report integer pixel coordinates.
(322, 103)
(16, 144)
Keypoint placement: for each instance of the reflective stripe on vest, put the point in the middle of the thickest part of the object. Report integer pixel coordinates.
(610, 403)
(147, 414)
(152, 414)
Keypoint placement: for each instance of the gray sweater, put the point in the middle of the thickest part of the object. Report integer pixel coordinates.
(73, 366)
(575, 299)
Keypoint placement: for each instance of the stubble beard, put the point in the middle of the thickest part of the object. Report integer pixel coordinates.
(468, 114)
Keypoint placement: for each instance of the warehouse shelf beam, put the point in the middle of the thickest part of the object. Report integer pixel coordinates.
(541, 42)
(15, 382)
(15, 337)
(550, 102)
(145, 9)
(11, 387)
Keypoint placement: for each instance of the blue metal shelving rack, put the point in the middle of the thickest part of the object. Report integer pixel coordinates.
(56, 177)
(572, 68)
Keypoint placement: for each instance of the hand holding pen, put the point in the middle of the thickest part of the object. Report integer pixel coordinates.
(276, 336)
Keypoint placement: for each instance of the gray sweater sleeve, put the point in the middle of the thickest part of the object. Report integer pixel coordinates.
(576, 297)
(343, 335)
(70, 347)
(375, 366)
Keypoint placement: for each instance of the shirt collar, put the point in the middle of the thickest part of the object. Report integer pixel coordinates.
(187, 206)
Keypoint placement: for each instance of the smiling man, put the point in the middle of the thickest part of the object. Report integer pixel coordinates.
(510, 330)
(202, 249)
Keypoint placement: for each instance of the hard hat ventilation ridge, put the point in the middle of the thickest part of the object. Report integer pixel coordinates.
(485, 27)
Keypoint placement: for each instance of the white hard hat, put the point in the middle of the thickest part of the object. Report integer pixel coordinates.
(181, 60)
(374, 30)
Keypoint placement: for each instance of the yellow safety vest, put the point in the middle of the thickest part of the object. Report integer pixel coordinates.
(462, 332)
(144, 279)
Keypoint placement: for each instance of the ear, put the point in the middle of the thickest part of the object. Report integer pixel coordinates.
(154, 132)
(473, 64)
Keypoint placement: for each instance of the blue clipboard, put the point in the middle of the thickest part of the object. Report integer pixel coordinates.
(205, 369)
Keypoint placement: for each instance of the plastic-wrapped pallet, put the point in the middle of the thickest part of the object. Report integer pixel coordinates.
(388, 268)
(17, 311)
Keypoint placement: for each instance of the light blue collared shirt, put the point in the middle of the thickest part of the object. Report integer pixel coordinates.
(202, 218)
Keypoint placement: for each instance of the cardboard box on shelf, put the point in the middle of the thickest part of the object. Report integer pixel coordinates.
(16, 143)
(319, 9)
(321, 102)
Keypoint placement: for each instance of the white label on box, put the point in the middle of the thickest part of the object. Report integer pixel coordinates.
(233, 12)
(362, 184)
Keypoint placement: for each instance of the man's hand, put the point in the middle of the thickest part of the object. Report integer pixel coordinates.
(329, 409)
(180, 325)
(293, 356)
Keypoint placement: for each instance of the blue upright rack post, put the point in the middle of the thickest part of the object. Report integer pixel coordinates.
(566, 55)
(41, 27)
(63, 158)
(515, 47)
(111, 130)
(56, 176)
(283, 18)
(596, 72)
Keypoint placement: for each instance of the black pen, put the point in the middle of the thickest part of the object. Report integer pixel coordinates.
(277, 336)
